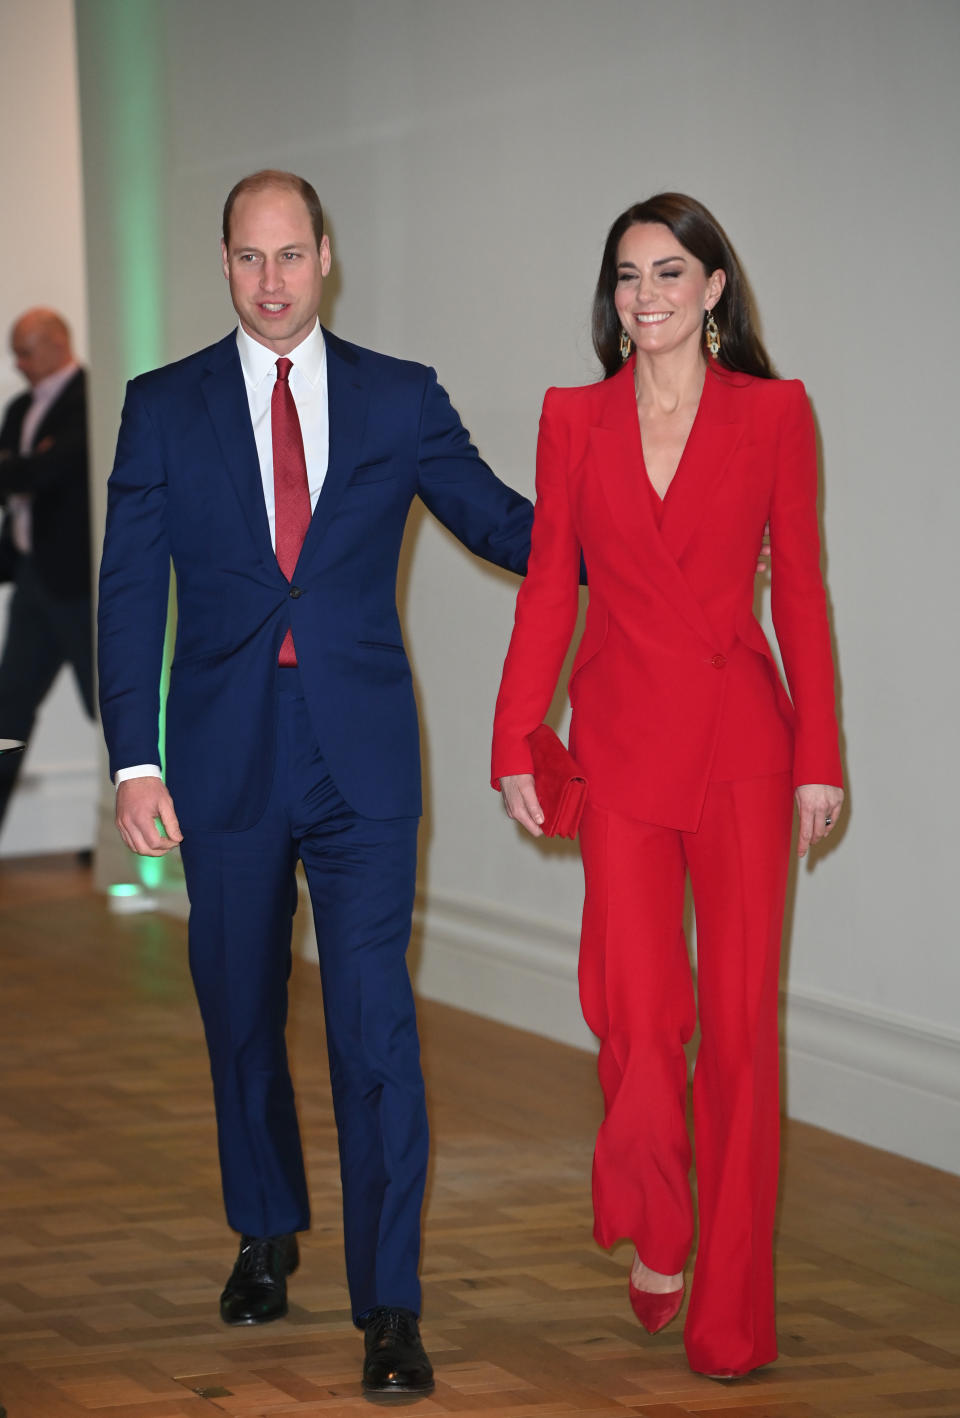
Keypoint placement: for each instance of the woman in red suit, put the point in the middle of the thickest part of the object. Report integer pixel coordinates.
(663, 476)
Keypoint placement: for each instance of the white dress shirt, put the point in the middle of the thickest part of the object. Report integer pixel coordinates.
(308, 384)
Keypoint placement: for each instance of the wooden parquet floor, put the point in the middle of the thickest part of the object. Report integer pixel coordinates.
(113, 1249)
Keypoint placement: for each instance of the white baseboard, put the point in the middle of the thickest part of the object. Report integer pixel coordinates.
(499, 964)
(877, 1077)
(53, 809)
(881, 1079)
(53, 806)
(870, 1075)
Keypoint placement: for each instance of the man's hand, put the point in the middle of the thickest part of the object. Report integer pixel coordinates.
(140, 801)
(819, 807)
(521, 802)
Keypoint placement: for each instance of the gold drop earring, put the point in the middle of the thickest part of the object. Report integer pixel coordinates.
(712, 332)
(626, 345)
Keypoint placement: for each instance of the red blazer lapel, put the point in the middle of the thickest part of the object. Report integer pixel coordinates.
(713, 437)
(617, 456)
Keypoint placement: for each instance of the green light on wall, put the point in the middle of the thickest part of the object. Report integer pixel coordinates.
(132, 47)
(130, 44)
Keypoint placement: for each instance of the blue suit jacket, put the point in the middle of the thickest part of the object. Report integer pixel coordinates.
(186, 485)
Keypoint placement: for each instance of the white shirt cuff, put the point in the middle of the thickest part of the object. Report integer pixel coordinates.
(139, 770)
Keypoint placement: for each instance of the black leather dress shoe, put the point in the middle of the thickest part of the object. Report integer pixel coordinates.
(257, 1289)
(395, 1362)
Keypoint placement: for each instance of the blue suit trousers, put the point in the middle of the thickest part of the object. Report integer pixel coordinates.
(242, 888)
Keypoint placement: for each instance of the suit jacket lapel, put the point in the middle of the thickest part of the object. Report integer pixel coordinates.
(226, 399)
(348, 394)
(68, 394)
(712, 439)
(13, 422)
(618, 455)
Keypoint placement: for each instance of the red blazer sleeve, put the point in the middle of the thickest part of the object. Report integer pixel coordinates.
(547, 603)
(798, 599)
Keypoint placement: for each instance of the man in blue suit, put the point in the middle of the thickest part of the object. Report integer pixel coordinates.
(291, 732)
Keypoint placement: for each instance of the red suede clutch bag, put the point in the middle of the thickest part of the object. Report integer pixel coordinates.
(561, 787)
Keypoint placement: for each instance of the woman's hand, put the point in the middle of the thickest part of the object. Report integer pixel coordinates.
(520, 800)
(819, 807)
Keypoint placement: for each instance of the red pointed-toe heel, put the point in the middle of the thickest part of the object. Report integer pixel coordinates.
(725, 1376)
(655, 1311)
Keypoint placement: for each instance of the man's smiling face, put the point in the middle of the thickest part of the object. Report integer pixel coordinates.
(274, 267)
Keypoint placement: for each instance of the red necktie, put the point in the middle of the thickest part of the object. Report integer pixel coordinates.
(291, 492)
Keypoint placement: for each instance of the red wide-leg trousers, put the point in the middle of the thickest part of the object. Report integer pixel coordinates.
(638, 998)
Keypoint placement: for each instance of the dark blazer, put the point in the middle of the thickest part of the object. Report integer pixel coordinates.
(186, 484)
(57, 483)
(670, 632)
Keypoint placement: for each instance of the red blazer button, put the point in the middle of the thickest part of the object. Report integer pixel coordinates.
(718, 661)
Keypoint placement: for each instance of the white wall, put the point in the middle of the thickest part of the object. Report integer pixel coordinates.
(471, 158)
(41, 256)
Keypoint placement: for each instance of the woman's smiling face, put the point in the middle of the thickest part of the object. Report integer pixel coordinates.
(662, 290)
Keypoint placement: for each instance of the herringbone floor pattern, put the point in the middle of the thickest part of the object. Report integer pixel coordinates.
(113, 1249)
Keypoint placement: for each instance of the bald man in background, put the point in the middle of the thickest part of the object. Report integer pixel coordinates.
(45, 540)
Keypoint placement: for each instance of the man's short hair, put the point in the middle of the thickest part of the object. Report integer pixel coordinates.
(285, 181)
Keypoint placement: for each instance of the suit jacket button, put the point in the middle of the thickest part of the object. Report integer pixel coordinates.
(295, 593)
(718, 661)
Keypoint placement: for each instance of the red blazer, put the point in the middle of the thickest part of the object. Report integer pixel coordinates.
(670, 634)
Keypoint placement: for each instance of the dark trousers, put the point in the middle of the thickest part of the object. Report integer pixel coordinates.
(43, 634)
(243, 893)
